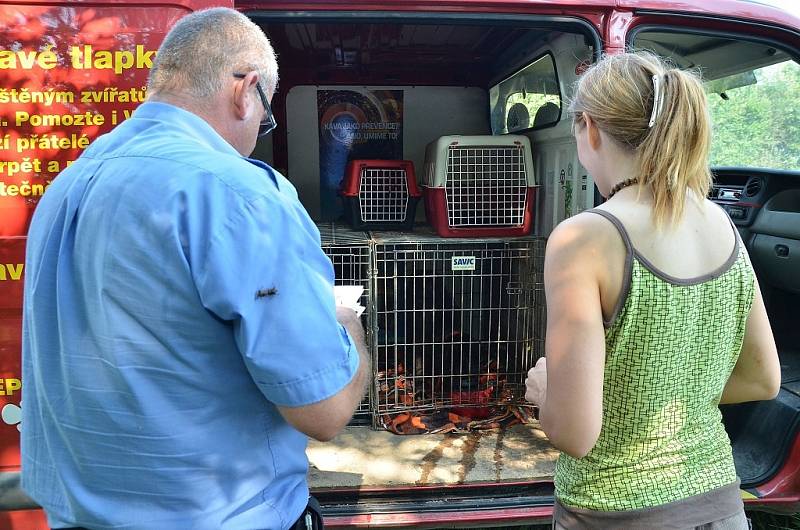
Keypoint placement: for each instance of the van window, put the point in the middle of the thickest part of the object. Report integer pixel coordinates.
(753, 92)
(527, 99)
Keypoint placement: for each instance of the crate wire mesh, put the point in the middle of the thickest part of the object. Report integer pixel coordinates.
(455, 322)
(384, 195)
(349, 252)
(486, 185)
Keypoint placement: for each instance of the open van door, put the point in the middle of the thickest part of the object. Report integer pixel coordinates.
(751, 71)
(68, 73)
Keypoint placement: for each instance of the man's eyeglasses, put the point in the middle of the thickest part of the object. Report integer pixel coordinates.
(268, 123)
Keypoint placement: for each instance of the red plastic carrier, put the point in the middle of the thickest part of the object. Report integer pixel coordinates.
(480, 186)
(380, 194)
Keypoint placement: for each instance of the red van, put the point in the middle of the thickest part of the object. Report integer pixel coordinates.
(389, 80)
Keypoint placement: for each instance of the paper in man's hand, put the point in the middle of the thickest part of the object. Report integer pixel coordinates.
(349, 296)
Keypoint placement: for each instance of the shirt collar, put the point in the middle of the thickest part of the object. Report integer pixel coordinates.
(189, 123)
(193, 125)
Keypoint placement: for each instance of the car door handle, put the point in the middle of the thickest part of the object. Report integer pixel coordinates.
(782, 251)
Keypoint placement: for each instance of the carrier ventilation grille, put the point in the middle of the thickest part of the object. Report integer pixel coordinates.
(486, 186)
(384, 195)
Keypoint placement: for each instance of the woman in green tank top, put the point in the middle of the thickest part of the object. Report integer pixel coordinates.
(654, 315)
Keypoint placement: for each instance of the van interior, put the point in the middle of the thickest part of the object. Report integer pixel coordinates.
(490, 75)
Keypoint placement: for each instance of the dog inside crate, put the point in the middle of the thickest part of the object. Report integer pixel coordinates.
(454, 330)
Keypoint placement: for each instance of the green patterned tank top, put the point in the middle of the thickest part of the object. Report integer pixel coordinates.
(670, 347)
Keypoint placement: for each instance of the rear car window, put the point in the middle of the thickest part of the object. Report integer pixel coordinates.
(752, 91)
(528, 98)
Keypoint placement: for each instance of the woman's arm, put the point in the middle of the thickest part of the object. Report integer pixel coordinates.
(757, 374)
(572, 409)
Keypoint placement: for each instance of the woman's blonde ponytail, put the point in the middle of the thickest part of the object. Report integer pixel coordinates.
(619, 93)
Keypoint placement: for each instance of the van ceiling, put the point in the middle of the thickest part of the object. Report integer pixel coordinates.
(400, 53)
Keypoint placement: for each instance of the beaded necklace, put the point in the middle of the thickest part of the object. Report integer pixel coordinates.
(624, 184)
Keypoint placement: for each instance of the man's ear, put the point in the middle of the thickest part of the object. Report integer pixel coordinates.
(593, 132)
(243, 94)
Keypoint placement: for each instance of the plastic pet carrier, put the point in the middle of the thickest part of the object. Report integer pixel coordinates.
(380, 194)
(349, 252)
(480, 186)
(457, 323)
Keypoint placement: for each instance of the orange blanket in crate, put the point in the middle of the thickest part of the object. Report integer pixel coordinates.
(443, 421)
(461, 414)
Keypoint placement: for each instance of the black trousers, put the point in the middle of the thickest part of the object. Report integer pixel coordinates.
(311, 518)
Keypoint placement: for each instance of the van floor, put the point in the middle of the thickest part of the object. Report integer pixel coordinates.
(790, 370)
(363, 457)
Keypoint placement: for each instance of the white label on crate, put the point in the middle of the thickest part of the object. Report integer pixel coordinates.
(463, 263)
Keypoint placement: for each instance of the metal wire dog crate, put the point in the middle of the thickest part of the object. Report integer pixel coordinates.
(479, 186)
(349, 252)
(456, 323)
(380, 194)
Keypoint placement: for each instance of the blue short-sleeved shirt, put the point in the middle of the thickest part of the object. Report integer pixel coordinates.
(175, 293)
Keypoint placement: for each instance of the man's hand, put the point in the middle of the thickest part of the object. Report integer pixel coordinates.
(536, 383)
(346, 316)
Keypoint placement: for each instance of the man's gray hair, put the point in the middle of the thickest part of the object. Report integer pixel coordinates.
(205, 48)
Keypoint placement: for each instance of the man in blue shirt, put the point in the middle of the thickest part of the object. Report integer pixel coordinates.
(180, 332)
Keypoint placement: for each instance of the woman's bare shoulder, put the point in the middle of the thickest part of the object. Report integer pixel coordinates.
(585, 230)
(585, 238)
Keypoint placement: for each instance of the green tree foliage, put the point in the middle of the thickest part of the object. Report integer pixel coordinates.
(759, 124)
